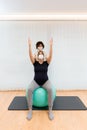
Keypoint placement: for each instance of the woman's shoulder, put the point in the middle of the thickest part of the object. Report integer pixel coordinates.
(46, 62)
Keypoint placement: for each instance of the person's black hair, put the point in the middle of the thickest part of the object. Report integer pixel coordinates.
(38, 44)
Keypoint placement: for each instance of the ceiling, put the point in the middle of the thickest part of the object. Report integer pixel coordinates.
(28, 6)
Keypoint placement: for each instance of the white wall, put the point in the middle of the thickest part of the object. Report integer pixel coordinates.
(68, 69)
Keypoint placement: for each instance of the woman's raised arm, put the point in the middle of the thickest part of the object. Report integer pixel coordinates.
(30, 51)
(50, 51)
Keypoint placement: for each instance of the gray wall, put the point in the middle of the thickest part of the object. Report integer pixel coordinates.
(22, 6)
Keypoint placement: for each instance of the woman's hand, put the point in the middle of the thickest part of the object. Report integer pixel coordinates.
(50, 51)
(30, 51)
(51, 41)
(29, 42)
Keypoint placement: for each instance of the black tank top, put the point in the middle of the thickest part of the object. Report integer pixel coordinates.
(40, 72)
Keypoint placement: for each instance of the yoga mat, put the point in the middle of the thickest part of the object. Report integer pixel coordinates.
(60, 103)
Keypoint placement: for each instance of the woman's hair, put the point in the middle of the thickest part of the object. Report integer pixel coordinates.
(39, 43)
(40, 52)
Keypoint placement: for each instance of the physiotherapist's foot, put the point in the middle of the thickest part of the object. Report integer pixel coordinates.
(50, 115)
(29, 116)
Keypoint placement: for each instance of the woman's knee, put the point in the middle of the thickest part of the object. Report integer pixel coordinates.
(30, 90)
(49, 90)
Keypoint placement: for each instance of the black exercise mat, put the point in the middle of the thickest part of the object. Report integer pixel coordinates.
(60, 103)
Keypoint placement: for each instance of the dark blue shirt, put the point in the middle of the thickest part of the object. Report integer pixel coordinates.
(40, 72)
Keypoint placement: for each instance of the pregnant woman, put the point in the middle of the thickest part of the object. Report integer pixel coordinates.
(40, 76)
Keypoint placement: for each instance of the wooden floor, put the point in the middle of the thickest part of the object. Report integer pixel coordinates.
(64, 120)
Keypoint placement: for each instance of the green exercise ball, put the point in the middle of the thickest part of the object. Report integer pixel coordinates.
(40, 96)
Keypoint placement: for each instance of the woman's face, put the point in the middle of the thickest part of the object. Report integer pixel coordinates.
(40, 56)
